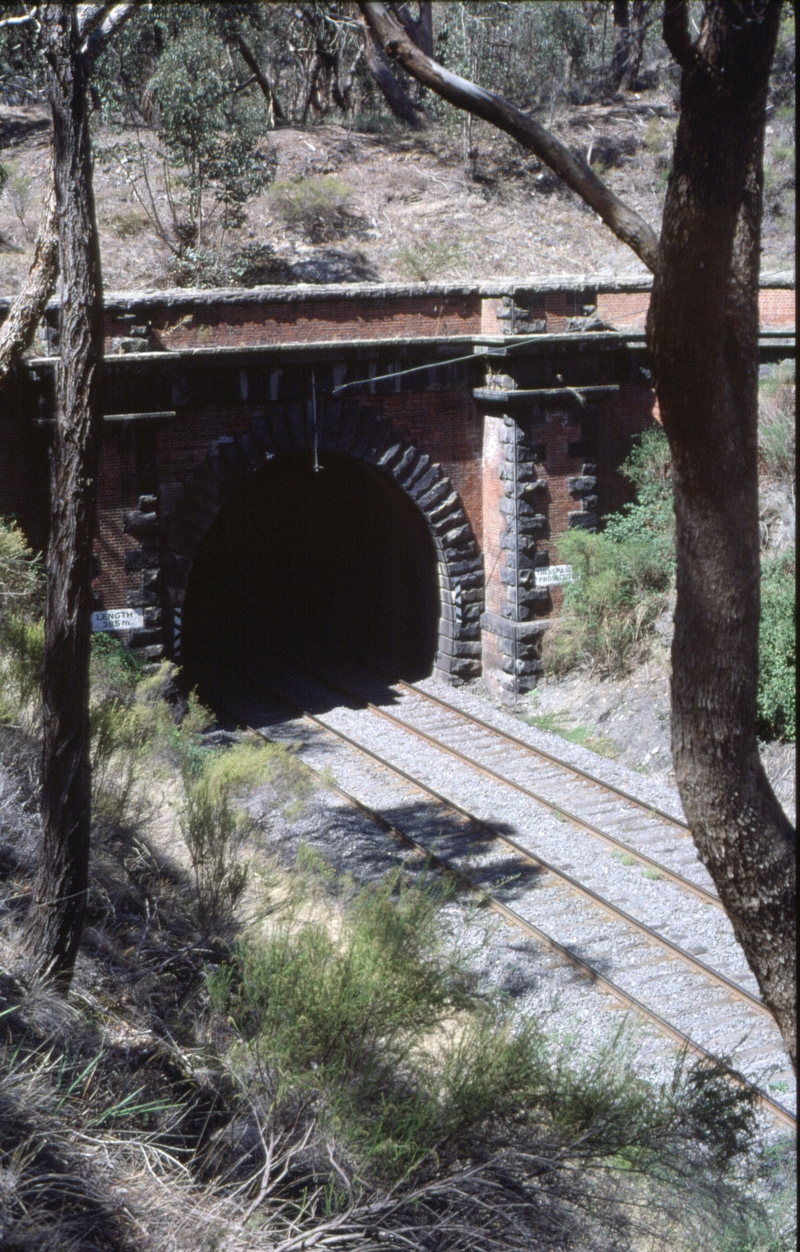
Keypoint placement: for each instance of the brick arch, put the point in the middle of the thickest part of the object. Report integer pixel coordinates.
(358, 432)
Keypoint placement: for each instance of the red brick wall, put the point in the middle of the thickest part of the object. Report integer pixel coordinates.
(112, 581)
(776, 306)
(308, 321)
(447, 426)
(493, 520)
(624, 309)
(628, 310)
(490, 323)
(443, 424)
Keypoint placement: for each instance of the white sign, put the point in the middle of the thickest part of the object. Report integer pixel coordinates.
(117, 619)
(552, 575)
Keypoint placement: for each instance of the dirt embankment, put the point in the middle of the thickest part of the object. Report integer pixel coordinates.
(416, 208)
(629, 720)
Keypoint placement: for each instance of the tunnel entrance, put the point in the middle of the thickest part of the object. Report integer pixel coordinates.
(297, 561)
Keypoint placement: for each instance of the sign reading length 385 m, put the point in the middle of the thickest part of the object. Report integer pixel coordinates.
(117, 619)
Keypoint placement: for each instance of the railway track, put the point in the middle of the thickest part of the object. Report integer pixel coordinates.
(704, 1006)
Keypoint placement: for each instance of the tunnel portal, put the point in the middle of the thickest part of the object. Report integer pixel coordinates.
(298, 560)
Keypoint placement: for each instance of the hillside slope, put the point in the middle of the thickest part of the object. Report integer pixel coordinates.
(395, 205)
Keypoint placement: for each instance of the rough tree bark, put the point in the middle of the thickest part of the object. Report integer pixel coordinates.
(630, 28)
(59, 899)
(19, 328)
(96, 23)
(400, 103)
(419, 28)
(703, 334)
(248, 56)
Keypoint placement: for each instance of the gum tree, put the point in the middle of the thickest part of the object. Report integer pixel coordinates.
(70, 36)
(703, 338)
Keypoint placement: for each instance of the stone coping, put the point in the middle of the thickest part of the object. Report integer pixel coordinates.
(179, 297)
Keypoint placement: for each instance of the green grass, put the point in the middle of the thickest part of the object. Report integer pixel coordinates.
(625, 857)
(558, 724)
(321, 207)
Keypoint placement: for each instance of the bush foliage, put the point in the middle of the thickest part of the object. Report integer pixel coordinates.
(354, 1012)
(777, 642)
(623, 574)
(22, 587)
(322, 208)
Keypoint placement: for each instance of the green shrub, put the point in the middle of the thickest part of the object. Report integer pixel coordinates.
(214, 831)
(322, 208)
(211, 138)
(365, 1016)
(777, 696)
(22, 588)
(214, 825)
(21, 656)
(137, 718)
(21, 573)
(18, 188)
(623, 574)
(114, 670)
(128, 225)
(659, 135)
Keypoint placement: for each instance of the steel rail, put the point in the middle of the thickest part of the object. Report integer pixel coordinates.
(686, 884)
(579, 888)
(515, 919)
(650, 809)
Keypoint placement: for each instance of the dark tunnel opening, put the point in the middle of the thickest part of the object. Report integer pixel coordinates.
(298, 561)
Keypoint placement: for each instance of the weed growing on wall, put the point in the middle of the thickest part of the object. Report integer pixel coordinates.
(624, 573)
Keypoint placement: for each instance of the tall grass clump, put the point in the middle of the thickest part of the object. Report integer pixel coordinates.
(139, 722)
(777, 644)
(410, 1092)
(22, 587)
(215, 824)
(623, 574)
(777, 444)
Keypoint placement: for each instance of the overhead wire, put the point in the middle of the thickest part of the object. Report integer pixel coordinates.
(434, 365)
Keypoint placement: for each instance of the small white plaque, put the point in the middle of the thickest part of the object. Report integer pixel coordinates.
(552, 575)
(117, 619)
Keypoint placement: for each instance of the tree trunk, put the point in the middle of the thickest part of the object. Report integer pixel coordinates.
(622, 30)
(267, 90)
(27, 310)
(59, 900)
(703, 334)
(399, 102)
(637, 29)
(420, 28)
(630, 28)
